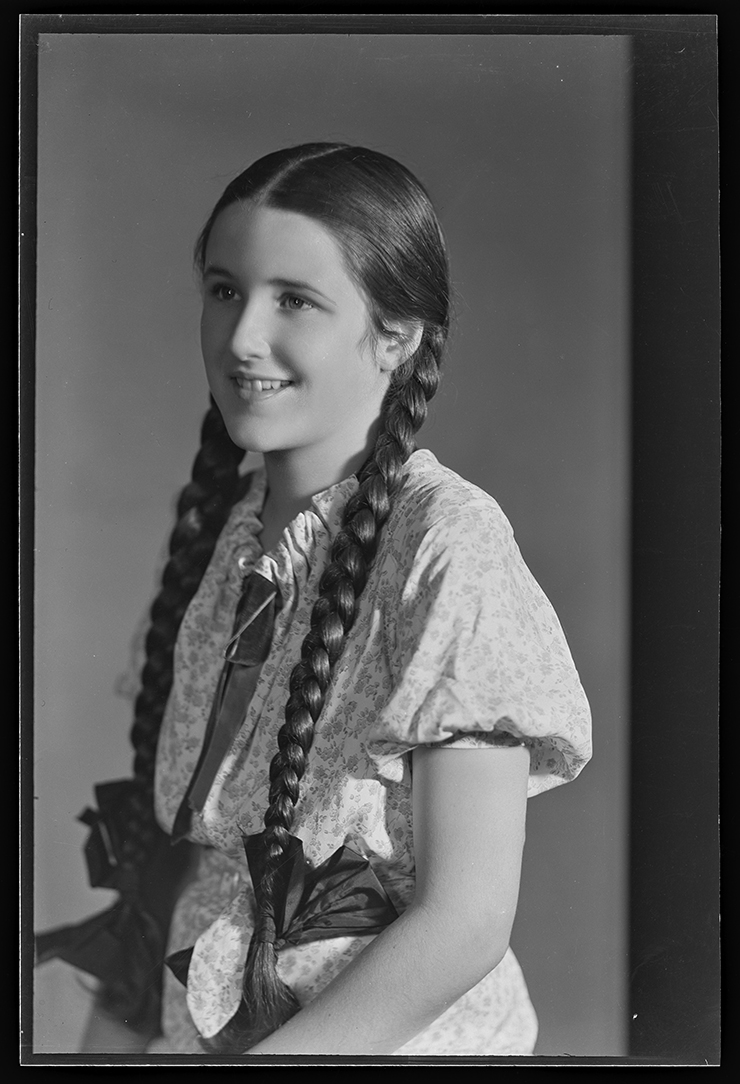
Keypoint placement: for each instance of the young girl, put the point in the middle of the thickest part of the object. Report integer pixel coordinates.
(366, 682)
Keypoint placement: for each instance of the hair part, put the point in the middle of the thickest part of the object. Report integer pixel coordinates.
(401, 269)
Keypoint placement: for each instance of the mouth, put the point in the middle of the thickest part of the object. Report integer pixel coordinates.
(251, 388)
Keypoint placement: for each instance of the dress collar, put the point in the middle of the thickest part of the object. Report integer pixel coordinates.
(328, 505)
(306, 540)
(315, 528)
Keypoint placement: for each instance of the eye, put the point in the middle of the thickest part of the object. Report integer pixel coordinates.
(294, 303)
(222, 292)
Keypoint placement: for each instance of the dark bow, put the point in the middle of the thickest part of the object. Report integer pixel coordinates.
(340, 898)
(129, 938)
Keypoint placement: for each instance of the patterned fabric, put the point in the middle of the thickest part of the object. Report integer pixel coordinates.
(454, 644)
(247, 649)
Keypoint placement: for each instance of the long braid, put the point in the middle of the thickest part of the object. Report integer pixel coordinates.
(267, 1002)
(202, 509)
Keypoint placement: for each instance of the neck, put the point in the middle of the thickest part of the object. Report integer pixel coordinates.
(293, 478)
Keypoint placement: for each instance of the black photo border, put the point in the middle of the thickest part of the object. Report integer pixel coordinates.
(675, 527)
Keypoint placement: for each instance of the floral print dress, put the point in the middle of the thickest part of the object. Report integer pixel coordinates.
(454, 643)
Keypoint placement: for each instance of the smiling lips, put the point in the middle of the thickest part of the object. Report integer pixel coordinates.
(250, 388)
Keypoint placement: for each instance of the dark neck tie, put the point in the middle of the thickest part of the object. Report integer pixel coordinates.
(248, 647)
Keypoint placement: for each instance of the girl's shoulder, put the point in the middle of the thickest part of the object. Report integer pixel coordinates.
(436, 501)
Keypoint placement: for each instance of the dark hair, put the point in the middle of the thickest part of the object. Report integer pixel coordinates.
(202, 509)
(385, 225)
(376, 209)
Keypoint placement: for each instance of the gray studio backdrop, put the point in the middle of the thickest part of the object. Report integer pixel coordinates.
(523, 144)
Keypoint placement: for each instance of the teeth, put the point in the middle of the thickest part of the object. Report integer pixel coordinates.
(260, 385)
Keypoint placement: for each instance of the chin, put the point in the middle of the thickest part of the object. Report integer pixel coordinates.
(247, 443)
(247, 436)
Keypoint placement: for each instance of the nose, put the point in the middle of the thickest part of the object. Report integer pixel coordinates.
(249, 338)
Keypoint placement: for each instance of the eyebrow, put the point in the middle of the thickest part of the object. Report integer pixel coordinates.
(295, 284)
(214, 269)
(284, 284)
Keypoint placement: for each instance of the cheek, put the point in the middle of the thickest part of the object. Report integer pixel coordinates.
(204, 336)
(210, 344)
(215, 326)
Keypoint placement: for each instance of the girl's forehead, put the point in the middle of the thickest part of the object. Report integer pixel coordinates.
(256, 234)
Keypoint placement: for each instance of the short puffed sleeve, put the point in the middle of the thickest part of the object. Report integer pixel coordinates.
(477, 654)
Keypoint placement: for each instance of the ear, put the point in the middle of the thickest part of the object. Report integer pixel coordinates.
(398, 344)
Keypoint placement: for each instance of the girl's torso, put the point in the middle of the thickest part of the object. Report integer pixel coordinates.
(453, 642)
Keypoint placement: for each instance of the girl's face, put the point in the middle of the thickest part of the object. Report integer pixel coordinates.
(284, 333)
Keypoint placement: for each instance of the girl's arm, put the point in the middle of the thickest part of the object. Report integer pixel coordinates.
(469, 814)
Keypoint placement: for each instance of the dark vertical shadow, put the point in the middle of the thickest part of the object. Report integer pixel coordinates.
(26, 464)
(674, 953)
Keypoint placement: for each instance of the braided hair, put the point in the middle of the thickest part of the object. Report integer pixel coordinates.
(393, 248)
(202, 509)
